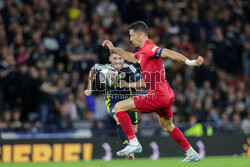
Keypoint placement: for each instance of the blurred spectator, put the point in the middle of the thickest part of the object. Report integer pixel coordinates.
(77, 55)
(231, 53)
(106, 10)
(74, 11)
(7, 70)
(208, 103)
(16, 121)
(246, 52)
(22, 92)
(225, 125)
(40, 58)
(209, 22)
(236, 121)
(245, 124)
(5, 120)
(69, 107)
(206, 90)
(196, 31)
(207, 72)
(47, 92)
(213, 116)
(81, 104)
(185, 47)
(218, 46)
(198, 111)
(100, 111)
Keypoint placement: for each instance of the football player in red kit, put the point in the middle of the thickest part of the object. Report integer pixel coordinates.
(160, 96)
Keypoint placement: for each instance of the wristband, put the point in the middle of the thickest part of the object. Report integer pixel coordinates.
(191, 62)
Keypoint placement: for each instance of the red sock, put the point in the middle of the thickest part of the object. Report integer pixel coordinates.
(126, 124)
(178, 136)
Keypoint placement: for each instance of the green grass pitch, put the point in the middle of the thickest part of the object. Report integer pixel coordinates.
(219, 161)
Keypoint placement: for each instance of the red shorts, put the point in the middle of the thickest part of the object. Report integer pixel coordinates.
(155, 103)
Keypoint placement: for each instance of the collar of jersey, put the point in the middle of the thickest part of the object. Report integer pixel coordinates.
(146, 43)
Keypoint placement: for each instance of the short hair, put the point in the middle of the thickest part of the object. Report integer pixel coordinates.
(139, 26)
(111, 52)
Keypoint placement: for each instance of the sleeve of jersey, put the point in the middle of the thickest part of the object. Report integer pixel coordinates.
(135, 75)
(98, 68)
(137, 55)
(153, 51)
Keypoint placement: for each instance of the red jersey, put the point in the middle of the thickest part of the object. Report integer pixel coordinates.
(153, 70)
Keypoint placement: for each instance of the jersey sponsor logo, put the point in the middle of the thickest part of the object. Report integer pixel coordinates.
(154, 48)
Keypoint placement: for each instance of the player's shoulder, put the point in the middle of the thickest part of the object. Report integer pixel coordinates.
(125, 65)
(151, 47)
(101, 66)
(129, 67)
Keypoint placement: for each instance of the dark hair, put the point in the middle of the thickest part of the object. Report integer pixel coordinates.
(111, 52)
(139, 26)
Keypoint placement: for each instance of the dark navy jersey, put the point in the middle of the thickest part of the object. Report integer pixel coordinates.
(115, 94)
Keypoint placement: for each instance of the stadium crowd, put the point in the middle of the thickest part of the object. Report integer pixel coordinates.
(47, 48)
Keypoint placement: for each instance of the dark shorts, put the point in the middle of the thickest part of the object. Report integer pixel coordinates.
(133, 115)
(152, 103)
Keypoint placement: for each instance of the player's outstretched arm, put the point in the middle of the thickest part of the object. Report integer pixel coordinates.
(91, 78)
(166, 53)
(126, 55)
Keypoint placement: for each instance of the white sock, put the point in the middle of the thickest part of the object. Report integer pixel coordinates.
(190, 151)
(134, 141)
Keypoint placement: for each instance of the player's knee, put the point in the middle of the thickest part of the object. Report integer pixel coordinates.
(117, 107)
(116, 120)
(168, 127)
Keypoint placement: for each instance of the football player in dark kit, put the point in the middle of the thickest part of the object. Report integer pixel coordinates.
(130, 78)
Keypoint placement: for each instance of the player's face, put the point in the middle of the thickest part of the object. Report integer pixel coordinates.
(116, 61)
(135, 37)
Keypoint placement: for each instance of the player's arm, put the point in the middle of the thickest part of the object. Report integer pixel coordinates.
(166, 53)
(138, 84)
(126, 55)
(91, 78)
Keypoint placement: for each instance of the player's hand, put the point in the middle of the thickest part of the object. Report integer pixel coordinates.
(199, 61)
(123, 84)
(87, 92)
(109, 44)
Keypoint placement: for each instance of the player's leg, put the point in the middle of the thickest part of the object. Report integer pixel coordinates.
(123, 137)
(134, 118)
(177, 135)
(121, 109)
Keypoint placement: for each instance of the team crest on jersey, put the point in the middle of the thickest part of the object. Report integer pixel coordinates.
(122, 75)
